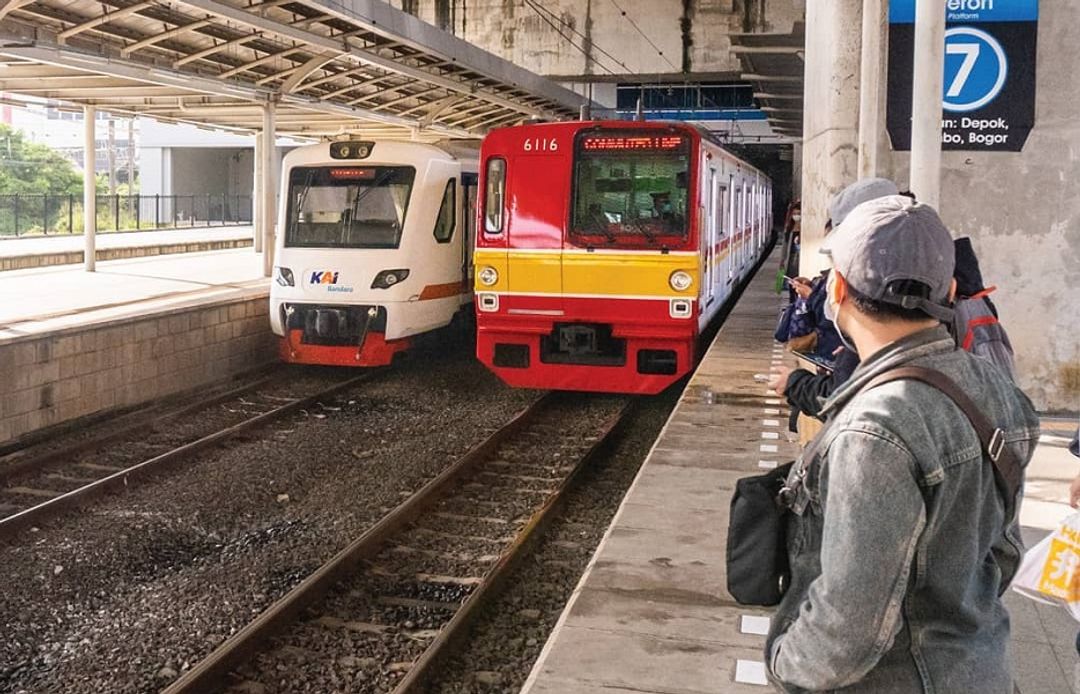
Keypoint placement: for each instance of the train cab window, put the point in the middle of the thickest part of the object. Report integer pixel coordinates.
(494, 193)
(444, 224)
(630, 187)
(347, 206)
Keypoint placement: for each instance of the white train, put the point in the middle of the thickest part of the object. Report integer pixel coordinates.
(374, 247)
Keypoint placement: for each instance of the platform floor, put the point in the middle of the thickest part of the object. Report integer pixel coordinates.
(42, 300)
(65, 243)
(652, 612)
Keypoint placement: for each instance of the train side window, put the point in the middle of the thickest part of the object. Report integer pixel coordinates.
(494, 192)
(444, 224)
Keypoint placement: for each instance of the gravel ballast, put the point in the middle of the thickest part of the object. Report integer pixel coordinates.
(506, 640)
(125, 594)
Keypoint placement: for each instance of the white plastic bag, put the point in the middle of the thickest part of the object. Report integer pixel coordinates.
(1050, 571)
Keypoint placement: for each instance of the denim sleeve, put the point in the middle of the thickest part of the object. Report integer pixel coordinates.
(874, 515)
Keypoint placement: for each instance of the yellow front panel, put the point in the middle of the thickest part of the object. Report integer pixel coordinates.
(629, 274)
(588, 274)
(535, 273)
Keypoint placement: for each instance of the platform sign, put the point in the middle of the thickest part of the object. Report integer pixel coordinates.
(988, 100)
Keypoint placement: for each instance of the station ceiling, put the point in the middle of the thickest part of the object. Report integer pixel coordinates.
(775, 64)
(330, 65)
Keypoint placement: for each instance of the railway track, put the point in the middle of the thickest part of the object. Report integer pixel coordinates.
(385, 610)
(36, 487)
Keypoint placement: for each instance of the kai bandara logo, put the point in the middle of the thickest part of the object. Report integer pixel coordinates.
(329, 278)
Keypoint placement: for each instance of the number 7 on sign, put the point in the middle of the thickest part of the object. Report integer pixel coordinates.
(970, 51)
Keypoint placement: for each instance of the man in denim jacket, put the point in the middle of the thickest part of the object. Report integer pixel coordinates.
(900, 546)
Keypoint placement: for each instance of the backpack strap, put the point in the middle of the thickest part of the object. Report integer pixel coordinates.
(1007, 470)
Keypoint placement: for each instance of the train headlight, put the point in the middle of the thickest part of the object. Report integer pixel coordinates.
(285, 277)
(488, 276)
(388, 278)
(680, 280)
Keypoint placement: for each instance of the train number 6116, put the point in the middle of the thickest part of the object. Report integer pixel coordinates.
(541, 144)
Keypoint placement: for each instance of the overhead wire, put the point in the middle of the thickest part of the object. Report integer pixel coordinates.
(542, 13)
(644, 35)
(540, 9)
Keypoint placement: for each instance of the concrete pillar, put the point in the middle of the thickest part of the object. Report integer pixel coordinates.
(875, 22)
(131, 163)
(796, 170)
(928, 86)
(831, 116)
(256, 195)
(267, 162)
(90, 187)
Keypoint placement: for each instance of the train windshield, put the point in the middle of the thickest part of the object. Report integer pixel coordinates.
(347, 206)
(630, 188)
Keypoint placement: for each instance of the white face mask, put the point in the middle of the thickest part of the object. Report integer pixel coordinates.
(832, 312)
(796, 217)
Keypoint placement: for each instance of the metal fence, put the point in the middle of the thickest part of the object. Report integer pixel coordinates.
(63, 214)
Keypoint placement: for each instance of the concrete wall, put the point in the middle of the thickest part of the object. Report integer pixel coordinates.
(693, 34)
(1022, 211)
(83, 371)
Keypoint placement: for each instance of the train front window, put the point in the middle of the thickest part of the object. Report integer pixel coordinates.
(347, 206)
(630, 188)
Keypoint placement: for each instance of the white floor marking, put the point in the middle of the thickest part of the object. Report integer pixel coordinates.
(772, 435)
(770, 410)
(768, 448)
(773, 401)
(766, 464)
(750, 672)
(770, 422)
(754, 624)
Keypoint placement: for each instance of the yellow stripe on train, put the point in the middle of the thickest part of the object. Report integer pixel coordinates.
(597, 274)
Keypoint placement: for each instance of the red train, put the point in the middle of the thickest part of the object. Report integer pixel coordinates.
(604, 249)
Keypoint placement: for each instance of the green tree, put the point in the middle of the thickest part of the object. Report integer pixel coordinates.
(29, 167)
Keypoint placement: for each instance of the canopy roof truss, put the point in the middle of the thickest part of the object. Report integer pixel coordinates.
(328, 64)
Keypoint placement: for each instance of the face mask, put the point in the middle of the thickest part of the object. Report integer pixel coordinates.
(796, 217)
(832, 312)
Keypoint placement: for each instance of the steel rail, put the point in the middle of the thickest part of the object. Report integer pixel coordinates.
(210, 674)
(141, 420)
(119, 480)
(211, 671)
(451, 635)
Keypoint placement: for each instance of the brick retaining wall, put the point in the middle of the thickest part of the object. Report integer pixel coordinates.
(76, 372)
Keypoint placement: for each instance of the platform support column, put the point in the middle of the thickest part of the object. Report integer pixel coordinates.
(256, 195)
(90, 187)
(871, 78)
(269, 185)
(829, 159)
(926, 108)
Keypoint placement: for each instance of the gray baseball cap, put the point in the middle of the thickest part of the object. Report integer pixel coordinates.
(889, 239)
(856, 194)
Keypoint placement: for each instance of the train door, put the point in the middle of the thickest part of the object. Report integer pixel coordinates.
(468, 226)
(723, 248)
(732, 228)
(710, 232)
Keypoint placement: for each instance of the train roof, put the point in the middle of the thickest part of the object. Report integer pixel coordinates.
(699, 130)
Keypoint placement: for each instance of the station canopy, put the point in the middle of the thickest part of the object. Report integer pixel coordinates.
(774, 64)
(329, 65)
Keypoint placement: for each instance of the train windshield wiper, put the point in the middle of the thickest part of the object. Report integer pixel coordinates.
(640, 227)
(601, 227)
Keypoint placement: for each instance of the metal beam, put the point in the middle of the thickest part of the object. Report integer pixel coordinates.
(794, 96)
(164, 36)
(791, 79)
(105, 18)
(767, 50)
(327, 43)
(9, 6)
(209, 51)
(302, 72)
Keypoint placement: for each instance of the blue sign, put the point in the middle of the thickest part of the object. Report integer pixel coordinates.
(975, 69)
(988, 93)
(903, 11)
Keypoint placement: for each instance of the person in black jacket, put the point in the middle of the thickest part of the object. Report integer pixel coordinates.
(806, 391)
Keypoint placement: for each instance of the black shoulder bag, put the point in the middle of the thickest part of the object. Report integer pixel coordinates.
(758, 570)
